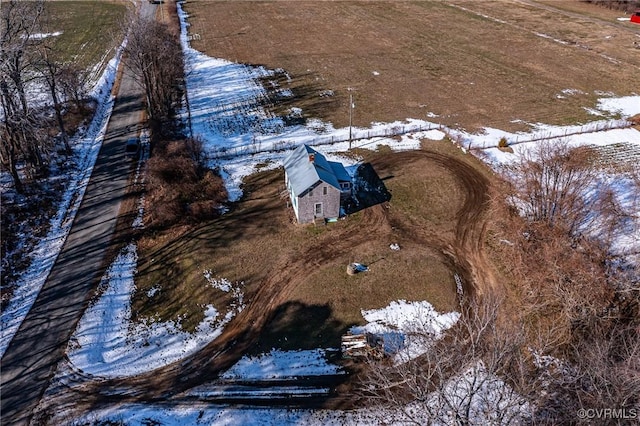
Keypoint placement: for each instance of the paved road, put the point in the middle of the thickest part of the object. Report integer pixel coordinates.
(30, 360)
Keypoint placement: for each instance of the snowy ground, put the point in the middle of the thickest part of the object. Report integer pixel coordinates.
(233, 126)
(407, 328)
(279, 364)
(86, 146)
(487, 399)
(106, 342)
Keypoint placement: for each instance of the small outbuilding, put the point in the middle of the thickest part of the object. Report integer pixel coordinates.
(316, 186)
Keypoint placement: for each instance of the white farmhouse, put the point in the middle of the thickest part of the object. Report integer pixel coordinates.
(316, 186)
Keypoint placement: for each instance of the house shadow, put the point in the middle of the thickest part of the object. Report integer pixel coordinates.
(296, 325)
(368, 190)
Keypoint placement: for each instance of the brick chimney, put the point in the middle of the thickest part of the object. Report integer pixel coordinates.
(312, 158)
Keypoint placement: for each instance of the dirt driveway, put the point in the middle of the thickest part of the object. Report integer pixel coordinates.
(462, 246)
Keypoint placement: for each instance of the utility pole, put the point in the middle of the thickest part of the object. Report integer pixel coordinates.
(350, 116)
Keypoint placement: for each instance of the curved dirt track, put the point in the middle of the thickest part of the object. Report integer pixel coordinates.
(464, 250)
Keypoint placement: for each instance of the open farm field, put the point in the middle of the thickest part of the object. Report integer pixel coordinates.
(90, 30)
(473, 64)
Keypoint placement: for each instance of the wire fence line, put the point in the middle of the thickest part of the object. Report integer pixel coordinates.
(259, 146)
(597, 126)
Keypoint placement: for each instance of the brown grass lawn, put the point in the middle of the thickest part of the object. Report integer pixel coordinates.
(257, 241)
(474, 63)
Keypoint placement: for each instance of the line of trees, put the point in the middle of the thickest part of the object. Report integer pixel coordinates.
(155, 57)
(626, 5)
(26, 57)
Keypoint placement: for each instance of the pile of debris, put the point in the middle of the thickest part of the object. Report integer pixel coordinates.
(357, 346)
(354, 268)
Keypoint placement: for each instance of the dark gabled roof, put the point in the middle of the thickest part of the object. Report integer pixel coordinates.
(304, 173)
(340, 172)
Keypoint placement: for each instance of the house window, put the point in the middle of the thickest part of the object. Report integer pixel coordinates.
(345, 186)
(324, 190)
(318, 209)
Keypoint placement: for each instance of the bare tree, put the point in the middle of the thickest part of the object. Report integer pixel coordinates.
(18, 22)
(155, 55)
(73, 83)
(552, 185)
(50, 69)
(602, 373)
(465, 378)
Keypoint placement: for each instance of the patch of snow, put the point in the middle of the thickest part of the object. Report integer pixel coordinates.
(626, 106)
(108, 344)
(226, 286)
(295, 112)
(593, 111)
(375, 73)
(573, 92)
(40, 36)
(279, 364)
(394, 247)
(252, 393)
(195, 413)
(407, 328)
(153, 291)
(140, 178)
(476, 395)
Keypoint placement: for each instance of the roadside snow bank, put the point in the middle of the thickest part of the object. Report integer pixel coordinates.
(107, 344)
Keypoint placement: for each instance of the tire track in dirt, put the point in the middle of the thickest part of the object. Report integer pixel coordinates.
(205, 366)
(465, 250)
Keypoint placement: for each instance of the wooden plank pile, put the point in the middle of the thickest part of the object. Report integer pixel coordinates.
(358, 346)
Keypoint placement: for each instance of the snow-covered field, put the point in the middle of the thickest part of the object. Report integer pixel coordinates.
(86, 146)
(225, 113)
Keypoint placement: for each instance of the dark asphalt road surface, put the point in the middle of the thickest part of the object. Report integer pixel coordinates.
(31, 358)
